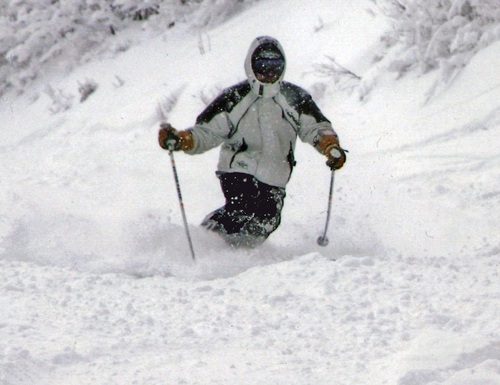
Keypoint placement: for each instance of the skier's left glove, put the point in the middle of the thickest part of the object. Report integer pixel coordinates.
(178, 140)
(336, 157)
(329, 146)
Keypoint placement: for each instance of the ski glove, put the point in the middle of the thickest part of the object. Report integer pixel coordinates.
(336, 157)
(178, 140)
(329, 146)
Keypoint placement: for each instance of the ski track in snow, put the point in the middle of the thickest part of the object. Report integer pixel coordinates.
(344, 320)
(96, 281)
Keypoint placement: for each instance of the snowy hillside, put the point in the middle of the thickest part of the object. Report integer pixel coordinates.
(97, 285)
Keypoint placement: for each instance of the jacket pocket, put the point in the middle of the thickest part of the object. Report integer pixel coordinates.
(291, 160)
(242, 147)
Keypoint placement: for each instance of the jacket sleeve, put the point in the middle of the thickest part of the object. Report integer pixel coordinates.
(212, 126)
(208, 135)
(313, 125)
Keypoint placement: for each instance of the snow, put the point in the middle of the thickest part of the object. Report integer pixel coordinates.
(97, 285)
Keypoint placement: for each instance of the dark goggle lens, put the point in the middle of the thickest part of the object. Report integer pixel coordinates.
(266, 66)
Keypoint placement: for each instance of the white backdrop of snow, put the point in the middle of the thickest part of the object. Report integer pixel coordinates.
(97, 286)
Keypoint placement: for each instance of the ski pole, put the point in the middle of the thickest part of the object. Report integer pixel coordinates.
(323, 239)
(181, 202)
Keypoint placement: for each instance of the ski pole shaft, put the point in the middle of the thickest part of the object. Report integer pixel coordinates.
(181, 202)
(323, 240)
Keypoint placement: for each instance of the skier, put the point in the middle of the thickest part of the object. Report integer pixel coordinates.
(257, 123)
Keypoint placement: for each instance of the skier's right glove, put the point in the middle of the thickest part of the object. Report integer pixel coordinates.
(169, 137)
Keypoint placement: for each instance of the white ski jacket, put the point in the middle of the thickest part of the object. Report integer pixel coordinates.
(258, 124)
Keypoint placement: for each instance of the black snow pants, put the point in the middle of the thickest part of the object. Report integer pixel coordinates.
(251, 213)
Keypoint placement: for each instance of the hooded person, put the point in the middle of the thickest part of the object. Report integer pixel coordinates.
(256, 123)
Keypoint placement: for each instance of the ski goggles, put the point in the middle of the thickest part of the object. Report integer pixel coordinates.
(268, 66)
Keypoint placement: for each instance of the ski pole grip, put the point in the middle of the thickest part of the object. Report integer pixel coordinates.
(336, 153)
(171, 144)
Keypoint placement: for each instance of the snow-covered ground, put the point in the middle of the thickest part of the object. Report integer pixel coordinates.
(97, 285)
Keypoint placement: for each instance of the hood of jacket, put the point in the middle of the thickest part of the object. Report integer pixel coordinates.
(265, 90)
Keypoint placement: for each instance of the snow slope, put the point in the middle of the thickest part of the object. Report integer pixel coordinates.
(97, 285)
